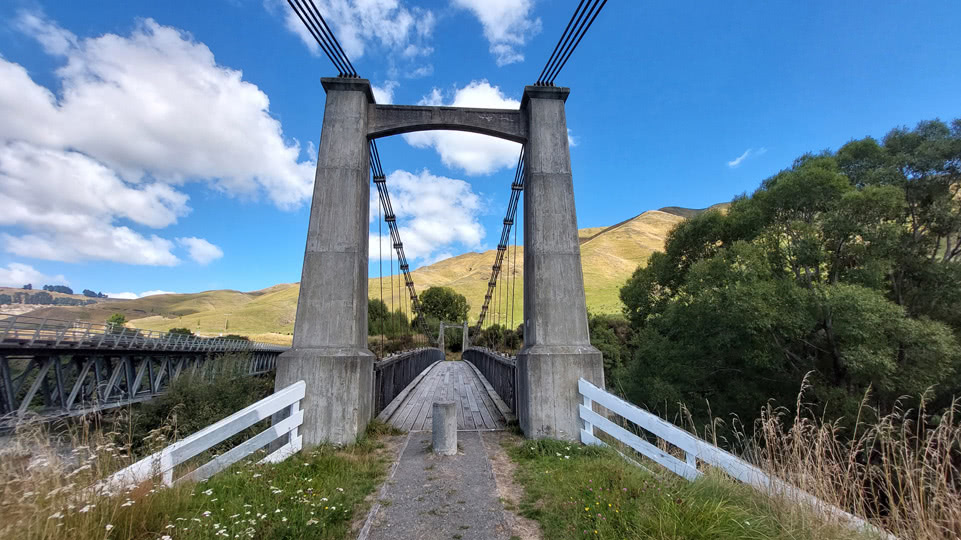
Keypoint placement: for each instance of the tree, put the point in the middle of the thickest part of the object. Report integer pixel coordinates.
(444, 304)
(183, 331)
(380, 321)
(27, 287)
(116, 322)
(58, 288)
(6, 299)
(844, 265)
(90, 294)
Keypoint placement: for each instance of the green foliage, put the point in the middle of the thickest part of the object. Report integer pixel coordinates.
(589, 492)
(6, 299)
(845, 264)
(380, 321)
(612, 335)
(183, 331)
(236, 337)
(196, 401)
(444, 304)
(117, 319)
(58, 288)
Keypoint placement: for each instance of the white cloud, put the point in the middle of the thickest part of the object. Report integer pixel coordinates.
(358, 23)
(136, 117)
(473, 153)
(52, 38)
(433, 213)
(18, 275)
(123, 295)
(384, 95)
(507, 25)
(750, 152)
(134, 296)
(201, 251)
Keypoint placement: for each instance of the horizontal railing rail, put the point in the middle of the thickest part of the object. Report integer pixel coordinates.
(25, 331)
(162, 464)
(694, 449)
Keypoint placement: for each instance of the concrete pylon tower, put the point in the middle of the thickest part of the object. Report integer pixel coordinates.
(330, 333)
(557, 347)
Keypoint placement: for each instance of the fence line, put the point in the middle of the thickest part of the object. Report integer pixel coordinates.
(161, 464)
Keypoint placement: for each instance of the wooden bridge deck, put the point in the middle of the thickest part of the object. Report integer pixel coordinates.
(449, 381)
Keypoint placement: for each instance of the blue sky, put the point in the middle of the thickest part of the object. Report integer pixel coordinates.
(169, 146)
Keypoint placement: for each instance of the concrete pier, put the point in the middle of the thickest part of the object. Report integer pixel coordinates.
(557, 349)
(330, 333)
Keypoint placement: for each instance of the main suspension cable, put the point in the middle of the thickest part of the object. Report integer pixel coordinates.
(516, 188)
(577, 27)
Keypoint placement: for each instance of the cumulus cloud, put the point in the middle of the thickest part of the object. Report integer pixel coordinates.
(507, 25)
(357, 24)
(134, 296)
(384, 95)
(18, 275)
(473, 153)
(750, 152)
(136, 117)
(201, 251)
(433, 213)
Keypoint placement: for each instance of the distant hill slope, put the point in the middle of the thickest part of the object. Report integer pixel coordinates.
(609, 256)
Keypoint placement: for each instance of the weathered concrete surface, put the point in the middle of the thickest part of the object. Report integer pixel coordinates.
(431, 497)
(330, 333)
(557, 349)
(444, 428)
(387, 120)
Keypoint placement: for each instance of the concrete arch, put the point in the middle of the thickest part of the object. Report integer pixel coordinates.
(386, 120)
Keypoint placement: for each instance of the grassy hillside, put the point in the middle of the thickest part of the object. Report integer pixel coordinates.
(609, 255)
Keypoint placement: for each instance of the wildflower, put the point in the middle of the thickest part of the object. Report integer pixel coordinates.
(206, 513)
(283, 519)
(312, 521)
(257, 475)
(340, 490)
(166, 537)
(108, 527)
(209, 492)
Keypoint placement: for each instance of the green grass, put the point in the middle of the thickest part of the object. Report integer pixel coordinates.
(315, 494)
(587, 492)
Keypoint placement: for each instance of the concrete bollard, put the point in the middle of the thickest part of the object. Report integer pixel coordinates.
(444, 428)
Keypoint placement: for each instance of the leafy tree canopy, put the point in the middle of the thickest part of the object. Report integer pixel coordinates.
(444, 304)
(844, 264)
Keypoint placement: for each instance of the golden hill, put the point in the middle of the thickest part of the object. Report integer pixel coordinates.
(609, 255)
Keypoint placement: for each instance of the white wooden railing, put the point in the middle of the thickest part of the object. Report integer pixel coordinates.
(161, 464)
(694, 449)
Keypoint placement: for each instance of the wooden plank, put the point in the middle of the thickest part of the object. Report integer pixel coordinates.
(469, 422)
(492, 418)
(419, 403)
(427, 405)
(396, 403)
(405, 411)
(505, 411)
(474, 410)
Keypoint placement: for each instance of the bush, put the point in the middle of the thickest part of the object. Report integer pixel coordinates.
(197, 400)
(182, 331)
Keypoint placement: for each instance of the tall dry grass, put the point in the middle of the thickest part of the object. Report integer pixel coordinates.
(898, 470)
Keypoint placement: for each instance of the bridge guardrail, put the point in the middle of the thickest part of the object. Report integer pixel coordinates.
(162, 463)
(25, 331)
(694, 449)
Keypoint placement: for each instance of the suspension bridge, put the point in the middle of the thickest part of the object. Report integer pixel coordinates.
(330, 342)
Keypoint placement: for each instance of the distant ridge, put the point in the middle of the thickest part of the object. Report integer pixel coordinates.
(609, 255)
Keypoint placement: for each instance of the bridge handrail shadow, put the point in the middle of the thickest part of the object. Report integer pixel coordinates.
(25, 331)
